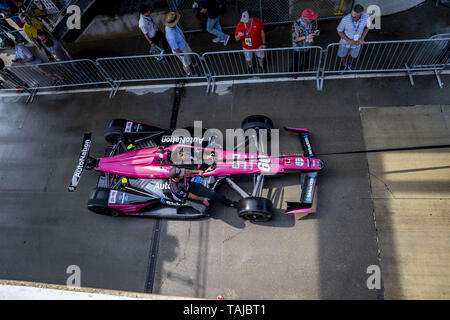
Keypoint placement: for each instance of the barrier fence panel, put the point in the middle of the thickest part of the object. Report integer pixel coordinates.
(385, 56)
(389, 56)
(280, 61)
(153, 67)
(8, 82)
(58, 74)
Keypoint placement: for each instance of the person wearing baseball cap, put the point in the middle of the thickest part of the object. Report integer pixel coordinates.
(177, 42)
(183, 189)
(250, 30)
(304, 30)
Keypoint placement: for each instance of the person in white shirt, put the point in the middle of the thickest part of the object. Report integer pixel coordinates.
(150, 30)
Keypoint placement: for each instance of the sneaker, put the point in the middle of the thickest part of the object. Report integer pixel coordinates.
(351, 67)
(262, 69)
(342, 68)
(225, 42)
(215, 40)
(250, 70)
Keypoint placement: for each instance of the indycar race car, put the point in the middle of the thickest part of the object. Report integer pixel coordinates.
(134, 178)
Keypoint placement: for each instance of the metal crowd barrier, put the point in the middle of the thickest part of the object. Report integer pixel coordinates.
(59, 74)
(391, 56)
(374, 57)
(153, 67)
(280, 61)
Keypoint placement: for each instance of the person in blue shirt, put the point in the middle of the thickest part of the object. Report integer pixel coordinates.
(352, 30)
(177, 42)
(23, 54)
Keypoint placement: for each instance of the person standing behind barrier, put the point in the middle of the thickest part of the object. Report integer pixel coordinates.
(352, 30)
(212, 8)
(150, 30)
(250, 31)
(23, 54)
(7, 9)
(60, 54)
(304, 30)
(31, 26)
(177, 42)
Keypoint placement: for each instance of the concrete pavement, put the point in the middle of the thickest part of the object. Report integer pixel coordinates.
(44, 229)
(411, 191)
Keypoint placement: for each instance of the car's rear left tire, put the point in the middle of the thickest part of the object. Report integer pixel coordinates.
(255, 209)
(98, 203)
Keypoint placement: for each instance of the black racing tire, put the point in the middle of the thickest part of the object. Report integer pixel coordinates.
(98, 203)
(115, 131)
(257, 122)
(255, 209)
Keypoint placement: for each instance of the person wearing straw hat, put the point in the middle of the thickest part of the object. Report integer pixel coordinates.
(177, 42)
(304, 30)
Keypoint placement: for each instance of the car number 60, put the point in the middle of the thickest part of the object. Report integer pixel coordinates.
(264, 164)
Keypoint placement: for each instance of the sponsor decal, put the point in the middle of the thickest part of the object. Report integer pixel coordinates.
(299, 162)
(309, 189)
(162, 186)
(170, 203)
(308, 145)
(264, 163)
(181, 139)
(112, 197)
(82, 160)
(128, 126)
(236, 161)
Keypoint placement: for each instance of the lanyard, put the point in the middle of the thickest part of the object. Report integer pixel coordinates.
(356, 26)
(306, 26)
(247, 31)
(149, 19)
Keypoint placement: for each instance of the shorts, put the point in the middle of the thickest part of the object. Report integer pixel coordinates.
(345, 50)
(248, 53)
(185, 59)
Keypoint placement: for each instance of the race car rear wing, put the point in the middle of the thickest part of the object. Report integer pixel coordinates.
(308, 182)
(305, 140)
(82, 161)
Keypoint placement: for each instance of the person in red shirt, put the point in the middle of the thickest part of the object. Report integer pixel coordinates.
(250, 31)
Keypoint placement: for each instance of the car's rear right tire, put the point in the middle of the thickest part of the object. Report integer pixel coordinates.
(115, 131)
(257, 122)
(255, 209)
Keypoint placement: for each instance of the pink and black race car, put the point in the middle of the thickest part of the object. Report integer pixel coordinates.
(134, 178)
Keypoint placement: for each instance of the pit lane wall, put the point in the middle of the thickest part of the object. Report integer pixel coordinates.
(21, 290)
